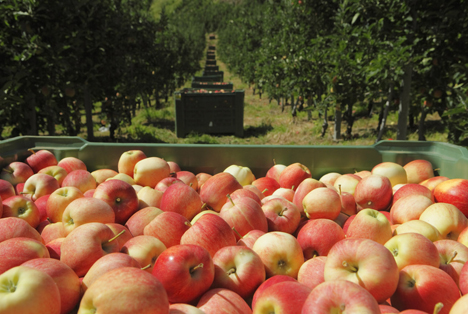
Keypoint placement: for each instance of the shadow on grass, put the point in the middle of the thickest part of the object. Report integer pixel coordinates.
(162, 124)
(255, 131)
(143, 138)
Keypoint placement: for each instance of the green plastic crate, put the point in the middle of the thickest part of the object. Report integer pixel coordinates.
(208, 78)
(210, 62)
(213, 73)
(213, 85)
(211, 67)
(209, 113)
(451, 160)
(211, 47)
(210, 57)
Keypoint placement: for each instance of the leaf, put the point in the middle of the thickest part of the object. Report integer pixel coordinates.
(356, 16)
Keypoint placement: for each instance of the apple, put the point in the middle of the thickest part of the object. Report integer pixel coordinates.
(16, 251)
(280, 252)
(210, 232)
(268, 283)
(275, 171)
(341, 219)
(461, 306)
(149, 197)
(169, 227)
(59, 200)
(363, 173)
(166, 182)
(81, 179)
(447, 218)
(242, 174)
(453, 255)
(322, 203)
(7, 190)
(67, 281)
(84, 210)
(311, 272)
(285, 192)
(267, 185)
(413, 249)
(202, 177)
(366, 263)
(27, 290)
(186, 272)
(347, 183)
(420, 227)
(387, 309)
(183, 308)
(245, 215)
(453, 192)
(120, 196)
(141, 293)
(23, 208)
(39, 184)
(182, 199)
(245, 192)
(318, 236)
(222, 300)
(340, 296)
(249, 239)
(105, 264)
(433, 182)
(251, 188)
(85, 245)
(374, 191)
(348, 203)
(145, 250)
(54, 248)
(409, 208)
(238, 268)
(412, 189)
(16, 172)
(462, 237)
(463, 279)
(149, 171)
(123, 177)
(139, 220)
(281, 215)
(14, 227)
(422, 287)
(330, 177)
(41, 159)
(41, 204)
(53, 231)
(283, 297)
(418, 171)
(128, 160)
(370, 224)
(101, 175)
(393, 171)
(72, 163)
(215, 190)
(293, 175)
(174, 166)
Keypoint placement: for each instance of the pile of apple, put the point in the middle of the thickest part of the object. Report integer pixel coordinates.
(206, 91)
(213, 83)
(149, 237)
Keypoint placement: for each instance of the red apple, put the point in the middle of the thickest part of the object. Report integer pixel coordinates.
(453, 255)
(244, 192)
(393, 171)
(59, 200)
(23, 208)
(41, 159)
(7, 190)
(85, 210)
(281, 215)
(16, 251)
(14, 227)
(418, 170)
(149, 197)
(409, 208)
(101, 175)
(16, 172)
(268, 283)
(201, 179)
(370, 224)
(38, 185)
(174, 166)
(283, 297)
(53, 231)
(186, 272)
(54, 248)
(447, 218)
(149, 171)
(275, 171)
(330, 177)
(311, 272)
(122, 233)
(455, 192)
(72, 163)
(420, 227)
(347, 183)
(318, 236)
(182, 199)
(165, 183)
(81, 179)
(139, 220)
(249, 239)
(145, 250)
(215, 190)
(41, 204)
(433, 182)
(169, 227)
(374, 191)
(293, 175)
(412, 189)
(223, 300)
(267, 185)
(188, 178)
(322, 203)
(128, 160)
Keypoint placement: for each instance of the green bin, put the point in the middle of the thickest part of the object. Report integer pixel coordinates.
(208, 78)
(210, 112)
(210, 62)
(214, 73)
(210, 57)
(451, 160)
(213, 85)
(211, 67)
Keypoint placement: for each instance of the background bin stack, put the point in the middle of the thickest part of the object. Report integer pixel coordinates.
(211, 106)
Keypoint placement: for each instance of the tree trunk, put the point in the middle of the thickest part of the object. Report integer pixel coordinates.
(89, 113)
(385, 113)
(349, 120)
(404, 103)
(337, 129)
(31, 114)
(422, 127)
(325, 122)
(144, 98)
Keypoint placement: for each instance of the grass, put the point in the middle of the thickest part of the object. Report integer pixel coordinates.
(264, 124)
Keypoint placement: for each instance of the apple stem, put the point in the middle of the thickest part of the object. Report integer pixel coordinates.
(339, 188)
(32, 151)
(204, 206)
(438, 307)
(282, 211)
(196, 267)
(344, 263)
(436, 169)
(292, 188)
(48, 219)
(187, 223)
(190, 185)
(229, 197)
(263, 192)
(231, 271)
(117, 235)
(274, 161)
(454, 254)
(8, 170)
(146, 267)
(236, 232)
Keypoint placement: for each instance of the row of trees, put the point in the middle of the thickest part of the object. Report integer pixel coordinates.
(59, 58)
(356, 56)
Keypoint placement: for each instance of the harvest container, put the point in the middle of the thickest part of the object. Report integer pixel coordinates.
(208, 78)
(209, 112)
(211, 48)
(452, 160)
(213, 85)
(211, 67)
(211, 73)
(210, 57)
(210, 62)
(212, 37)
